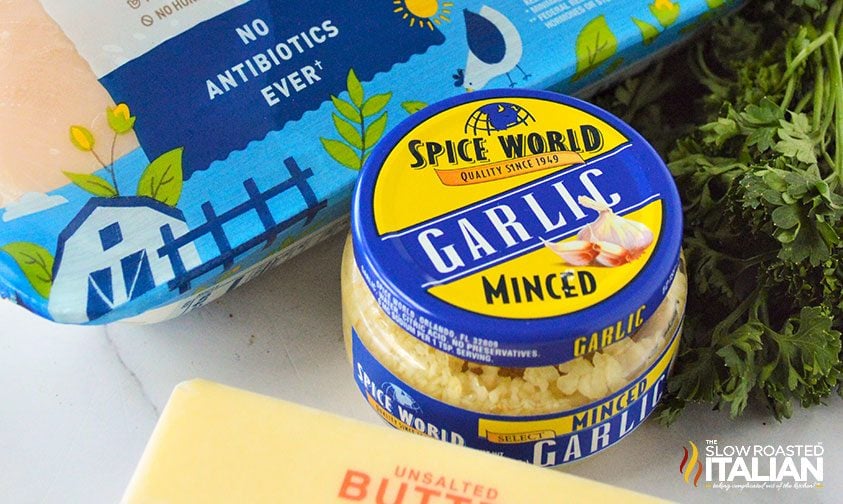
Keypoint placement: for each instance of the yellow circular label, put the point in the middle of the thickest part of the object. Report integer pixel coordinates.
(518, 207)
(460, 157)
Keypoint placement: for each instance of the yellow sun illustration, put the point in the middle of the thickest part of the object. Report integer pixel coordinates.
(423, 13)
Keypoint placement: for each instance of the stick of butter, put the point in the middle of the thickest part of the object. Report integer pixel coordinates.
(219, 444)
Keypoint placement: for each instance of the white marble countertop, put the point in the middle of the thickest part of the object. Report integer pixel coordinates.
(77, 404)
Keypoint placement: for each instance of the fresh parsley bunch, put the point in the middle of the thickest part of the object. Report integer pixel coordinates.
(757, 164)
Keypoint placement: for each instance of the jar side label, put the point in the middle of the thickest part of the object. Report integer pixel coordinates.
(545, 440)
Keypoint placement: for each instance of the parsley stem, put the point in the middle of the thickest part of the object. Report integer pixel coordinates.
(723, 326)
(714, 79)
(832, 19)
(800, 58)
(803, 102)
(833, 177)
(758, 259)
(827, 110)
(819, 91)
(788, 94)
(837, 89)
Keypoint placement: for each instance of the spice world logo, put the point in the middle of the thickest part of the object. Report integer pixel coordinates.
(753, 466)
(498, 116)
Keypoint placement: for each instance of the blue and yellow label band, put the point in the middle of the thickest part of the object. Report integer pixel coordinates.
(517, 431)
(548, 439)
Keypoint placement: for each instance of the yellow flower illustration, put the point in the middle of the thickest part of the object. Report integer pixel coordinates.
(120, 118)
(82, 138)
(665, 11)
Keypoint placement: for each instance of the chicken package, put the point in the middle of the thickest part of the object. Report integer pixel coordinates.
(155, 154)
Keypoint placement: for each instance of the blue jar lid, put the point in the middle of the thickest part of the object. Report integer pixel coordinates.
(516, 228)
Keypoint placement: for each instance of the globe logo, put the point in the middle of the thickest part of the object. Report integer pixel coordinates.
(497, 116)
(401, 397)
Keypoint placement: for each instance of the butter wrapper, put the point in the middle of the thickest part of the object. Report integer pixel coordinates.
(217, 444)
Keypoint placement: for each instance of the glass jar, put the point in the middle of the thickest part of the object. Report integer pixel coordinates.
(505, 293)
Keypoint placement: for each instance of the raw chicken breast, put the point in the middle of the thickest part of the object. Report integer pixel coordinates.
(45, 87)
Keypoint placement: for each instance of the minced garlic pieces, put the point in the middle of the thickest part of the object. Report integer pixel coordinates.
(506, 391)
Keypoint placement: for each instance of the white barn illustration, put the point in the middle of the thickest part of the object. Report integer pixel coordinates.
(108, 255)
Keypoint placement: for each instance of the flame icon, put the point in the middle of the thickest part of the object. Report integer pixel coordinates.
(686, 467)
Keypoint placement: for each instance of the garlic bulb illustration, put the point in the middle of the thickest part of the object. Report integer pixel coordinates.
(575, 253)
(632, 236)
(611, 240)
(611, 255)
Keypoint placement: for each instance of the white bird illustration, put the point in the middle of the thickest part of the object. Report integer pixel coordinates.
(494, 48)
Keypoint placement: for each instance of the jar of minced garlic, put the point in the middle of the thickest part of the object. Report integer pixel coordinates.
(512, 281)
